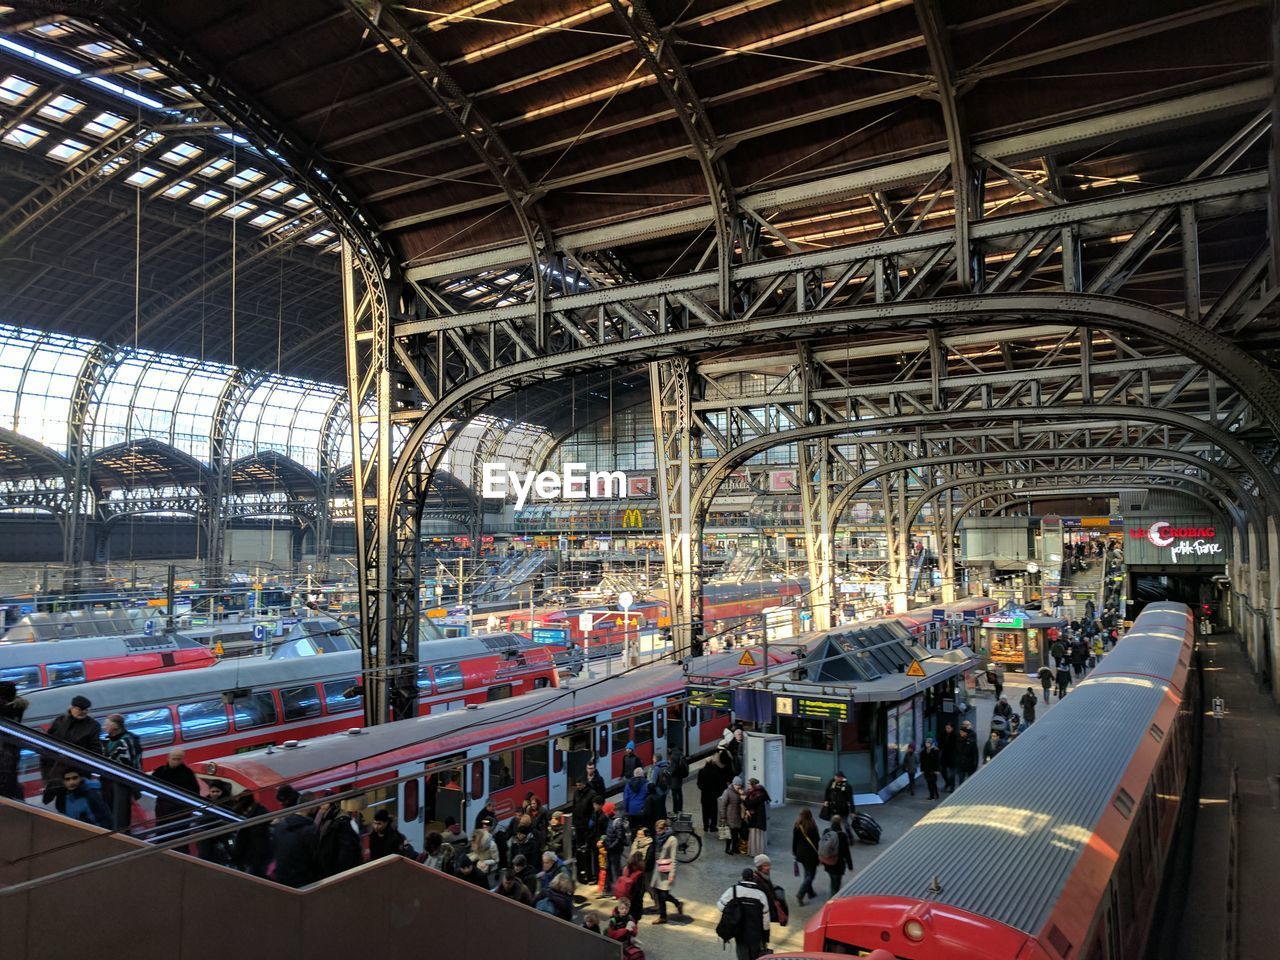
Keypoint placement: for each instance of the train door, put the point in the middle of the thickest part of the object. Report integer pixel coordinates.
(443, 794)
(675, 734)
(642, 733)
(619, 737)
(580, 748)
(504, 786)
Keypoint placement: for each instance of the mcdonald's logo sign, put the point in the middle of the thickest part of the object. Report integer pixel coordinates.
(632, 518)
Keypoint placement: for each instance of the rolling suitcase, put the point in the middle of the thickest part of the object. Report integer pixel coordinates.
(866, 829)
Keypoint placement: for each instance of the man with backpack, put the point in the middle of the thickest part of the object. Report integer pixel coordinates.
(744, 917)
(660, 781)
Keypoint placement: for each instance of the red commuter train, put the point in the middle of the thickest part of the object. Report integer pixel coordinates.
(30, 665)
(425, 769)
(302, 691)
(1057, 850)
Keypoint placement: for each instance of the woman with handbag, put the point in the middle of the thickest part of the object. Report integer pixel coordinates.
(804, 847)
(731, 816)
(664, 872)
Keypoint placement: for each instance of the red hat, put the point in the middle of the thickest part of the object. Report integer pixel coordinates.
(609, 809)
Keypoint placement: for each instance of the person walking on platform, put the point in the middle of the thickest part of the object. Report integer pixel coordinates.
(663, 877)
(679, 774)
(747, 907)
(804, 847)
(755, 807)
(997, 673)
(712, 779)
(992, 747)
(1064, 680)
(930, 764)
(293, 838)
(947, 754)
(838, 798)
(594, 781)
(1028, 704)
(911, 764)
(615, 843)
(635, 799)
(834, 854)
(1046, 681)
(966, 757)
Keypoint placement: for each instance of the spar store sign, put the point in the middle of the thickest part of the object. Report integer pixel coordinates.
(1180, 541)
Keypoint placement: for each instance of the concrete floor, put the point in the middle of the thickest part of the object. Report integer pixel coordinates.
(701, 883)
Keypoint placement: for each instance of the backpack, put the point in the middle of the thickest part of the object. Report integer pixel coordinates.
(546, 906)
(731, 918)
(682, 768)
(829, 848)
(664, 779)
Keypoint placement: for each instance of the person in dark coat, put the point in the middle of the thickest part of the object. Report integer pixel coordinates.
(513, 888)
(1046, 681)
(711, 783)
(992, 747)
(124, 748)
(1028, 705)
(1064, 680)
(178, 775)
(839, 797)
(630, 762)
(844, 859)
(755, 817)
(384, 839)
(486, 813)
(1002, 709)
(293, 837)
(77, 728)
(595, 781)
(252, 852)
(804, 847)
(12, 707)
(81, 799)
(468, 871)
(930, 765)
(947, 754)
(966, 756)
(337, 842)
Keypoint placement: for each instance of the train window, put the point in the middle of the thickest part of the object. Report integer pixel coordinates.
(502, 770)
(335, 696)
(533, 763)
(643, 729)
(60, 673)
(621, 735)
(205, 718)
(661, 716)
(477, 780)
(541, 683)
(153, 727)
(448, 677)
(255, 710)
(500, 692)
(24, 678)
(557, 761)
(300, 702)
(602, 750)
(424, 678)
(1124, 803)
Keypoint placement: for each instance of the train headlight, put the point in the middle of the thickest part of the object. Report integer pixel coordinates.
(211, 768)
(913, 929)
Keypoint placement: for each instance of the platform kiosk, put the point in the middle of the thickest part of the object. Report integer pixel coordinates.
(1019, 639)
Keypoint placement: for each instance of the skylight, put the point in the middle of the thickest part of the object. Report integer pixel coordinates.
(266, 218)
(144, 177)
(239, 210)
(298, 202)
(103, 124)
(277, 189)
(181, 154)
(101, 50)
(179, 189)
(208, 199)
(61, 108)
(221, 165)
(15, 89)
(321, 236)
(51, 31)
(24, 135)
(148, 140)
(245, 177)
(69, 150)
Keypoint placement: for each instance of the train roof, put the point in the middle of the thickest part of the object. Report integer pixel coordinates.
(21, 653)
(174, 686)
(1161, 650)
(1003, 845)
(498, 720)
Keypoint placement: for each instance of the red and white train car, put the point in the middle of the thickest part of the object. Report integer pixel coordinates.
(1056, 850)
(30, 665)
(249, 703)
(426, 769)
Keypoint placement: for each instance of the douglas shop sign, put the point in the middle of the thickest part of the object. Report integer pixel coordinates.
(1180, 541)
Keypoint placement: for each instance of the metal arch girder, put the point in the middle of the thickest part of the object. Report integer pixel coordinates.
(1228, 360)
(933, 28)
(673, 80)
(474, 129)
(847, 494)
(715, 474)
(235, 393)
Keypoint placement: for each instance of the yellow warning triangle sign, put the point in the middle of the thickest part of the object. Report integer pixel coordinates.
(746, 660)
(916, 669)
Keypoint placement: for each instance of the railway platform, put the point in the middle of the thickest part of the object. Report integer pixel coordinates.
(1231, 911)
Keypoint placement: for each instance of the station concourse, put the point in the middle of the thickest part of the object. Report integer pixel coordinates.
(474, 471)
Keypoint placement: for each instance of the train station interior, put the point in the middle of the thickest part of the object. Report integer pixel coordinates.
(640, 479)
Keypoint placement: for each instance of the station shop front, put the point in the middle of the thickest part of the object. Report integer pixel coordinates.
(1019, 640)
